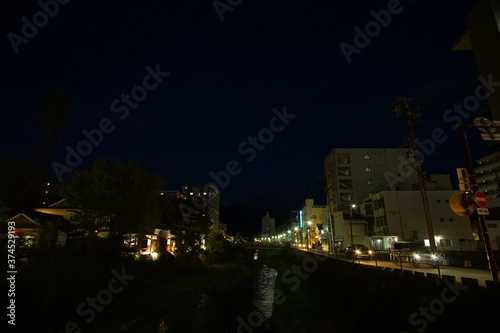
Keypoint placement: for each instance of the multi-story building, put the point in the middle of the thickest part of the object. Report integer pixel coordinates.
(268, 226)
(207, 201)
(317, 226)
(399, 215)
(352, 174)
(488, 175)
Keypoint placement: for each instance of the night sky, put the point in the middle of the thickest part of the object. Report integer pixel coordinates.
(226, 77)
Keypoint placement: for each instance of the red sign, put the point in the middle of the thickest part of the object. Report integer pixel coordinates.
(480, 199)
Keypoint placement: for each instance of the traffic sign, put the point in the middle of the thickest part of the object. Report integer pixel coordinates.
(463, 179)
(480, 199)
(483, 211)
(462, 204)
(488, 128)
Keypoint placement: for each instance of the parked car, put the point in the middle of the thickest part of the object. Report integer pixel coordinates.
(359, 251)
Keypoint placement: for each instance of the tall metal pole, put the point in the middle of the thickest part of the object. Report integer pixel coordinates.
(308, 226)
(350, 226)
(482, 222)
(402, 107)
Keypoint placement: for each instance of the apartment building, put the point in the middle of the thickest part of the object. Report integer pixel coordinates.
(352, 174)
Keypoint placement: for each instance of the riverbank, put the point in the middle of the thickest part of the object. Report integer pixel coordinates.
(186, 303)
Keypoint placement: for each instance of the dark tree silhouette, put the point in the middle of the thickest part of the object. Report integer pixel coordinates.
(119, 195)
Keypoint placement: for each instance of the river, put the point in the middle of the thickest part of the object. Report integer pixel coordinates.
(247, 308)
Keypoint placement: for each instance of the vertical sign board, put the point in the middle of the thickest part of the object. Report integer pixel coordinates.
(463, 179)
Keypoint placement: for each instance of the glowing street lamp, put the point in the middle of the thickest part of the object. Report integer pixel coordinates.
(308, 227)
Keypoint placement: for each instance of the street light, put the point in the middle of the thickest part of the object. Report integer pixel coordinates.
(308, 227)
(350, 226)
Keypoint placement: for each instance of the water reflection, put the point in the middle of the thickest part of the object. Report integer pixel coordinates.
(218, 310)
(264, 293)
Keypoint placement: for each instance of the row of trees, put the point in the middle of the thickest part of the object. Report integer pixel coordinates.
(126, 199)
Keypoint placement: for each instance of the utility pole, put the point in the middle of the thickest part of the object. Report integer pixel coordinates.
(402, 108)
(474, 187)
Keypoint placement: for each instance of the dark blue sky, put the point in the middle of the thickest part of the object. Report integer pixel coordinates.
(225, 79)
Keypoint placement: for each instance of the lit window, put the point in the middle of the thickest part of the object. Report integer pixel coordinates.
(367, 156)
(368, 169)
(370, 181)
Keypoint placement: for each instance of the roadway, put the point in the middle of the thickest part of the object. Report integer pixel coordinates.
(459, 272)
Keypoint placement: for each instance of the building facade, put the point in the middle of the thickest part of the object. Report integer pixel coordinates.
(317, 225)
(206, 199)
(352, 174)
(488, 175)
(349, 229)
(268, 226)
(399, 215)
